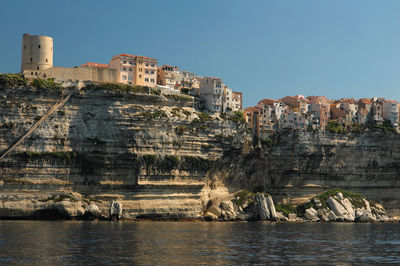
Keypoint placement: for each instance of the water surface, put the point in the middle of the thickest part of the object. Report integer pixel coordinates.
(94, 243)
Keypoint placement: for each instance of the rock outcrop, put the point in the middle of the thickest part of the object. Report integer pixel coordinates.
(295, 165)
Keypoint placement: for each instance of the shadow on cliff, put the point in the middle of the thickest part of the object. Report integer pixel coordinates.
(96, 135)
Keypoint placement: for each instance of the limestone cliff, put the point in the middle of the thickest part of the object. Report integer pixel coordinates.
(295, 165)
(150, 152)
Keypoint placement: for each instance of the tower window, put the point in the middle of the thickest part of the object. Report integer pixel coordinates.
(39, 46)
(31, 59)
(46, 60)
(37, 68)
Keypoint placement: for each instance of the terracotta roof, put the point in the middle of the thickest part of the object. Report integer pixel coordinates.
(365, 100)
(268, 101)
(250, 109)
(390, 101)
(92, 64)
(135, 56)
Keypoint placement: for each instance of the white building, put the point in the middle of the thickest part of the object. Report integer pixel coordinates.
(391, 112)
(212, 92)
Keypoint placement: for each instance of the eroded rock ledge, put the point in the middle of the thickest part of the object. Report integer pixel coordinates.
(331, 206)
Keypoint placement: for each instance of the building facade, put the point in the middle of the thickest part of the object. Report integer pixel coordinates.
(135, 69)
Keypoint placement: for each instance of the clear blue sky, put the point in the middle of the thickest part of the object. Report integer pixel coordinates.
(266, 49)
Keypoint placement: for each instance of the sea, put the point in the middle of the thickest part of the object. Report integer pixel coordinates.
(192, 243)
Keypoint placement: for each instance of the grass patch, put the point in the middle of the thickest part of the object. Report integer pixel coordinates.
(285, 208)
(179, 97)
(242, 197)
(121, 88)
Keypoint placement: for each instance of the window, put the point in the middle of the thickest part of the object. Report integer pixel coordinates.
(37, 68)
(24, 47)
(31, 59)
(140, 76)
(46, 60)
(146, 79)
(152, 65)
(130, 69)
(123, 77)
(152, 80)
(147, 64)
(130, 62)
(124, 68)
(124, 62)
(129, 77)
(147, 72)
(39, 46)
(152, 72)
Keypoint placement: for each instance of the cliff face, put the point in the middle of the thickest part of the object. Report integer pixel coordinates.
(149, 151)
(295, 166)
(156, 154)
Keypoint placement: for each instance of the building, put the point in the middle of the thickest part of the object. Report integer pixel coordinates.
(320, 110)
(298, 103)
(252, 117)
(169, 76)
(37, 52)
(135, 69)
(237, 100)
(391, 112)
(212, 92)
(227, 99)
(270, 115)
(363, 114)
(190, 83)
(377, 111)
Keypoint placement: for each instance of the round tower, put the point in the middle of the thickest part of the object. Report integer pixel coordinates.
(37, 52)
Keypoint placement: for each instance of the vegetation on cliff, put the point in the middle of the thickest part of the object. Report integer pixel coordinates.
(12, 80)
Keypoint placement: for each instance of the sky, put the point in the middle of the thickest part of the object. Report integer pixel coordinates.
(266, 49)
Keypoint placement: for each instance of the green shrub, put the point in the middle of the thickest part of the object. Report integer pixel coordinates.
(237, 118)
(386, 127)
(121, 88)
(203, 117)
(335, 127)
(155, 114)
(195, 121)
(12, 80)
(45, 84)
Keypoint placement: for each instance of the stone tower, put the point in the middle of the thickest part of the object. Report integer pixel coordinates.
(37, 52)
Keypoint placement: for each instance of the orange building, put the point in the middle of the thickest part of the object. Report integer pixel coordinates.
(135, 69)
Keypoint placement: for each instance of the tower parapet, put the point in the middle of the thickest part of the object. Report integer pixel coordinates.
(37, 52)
